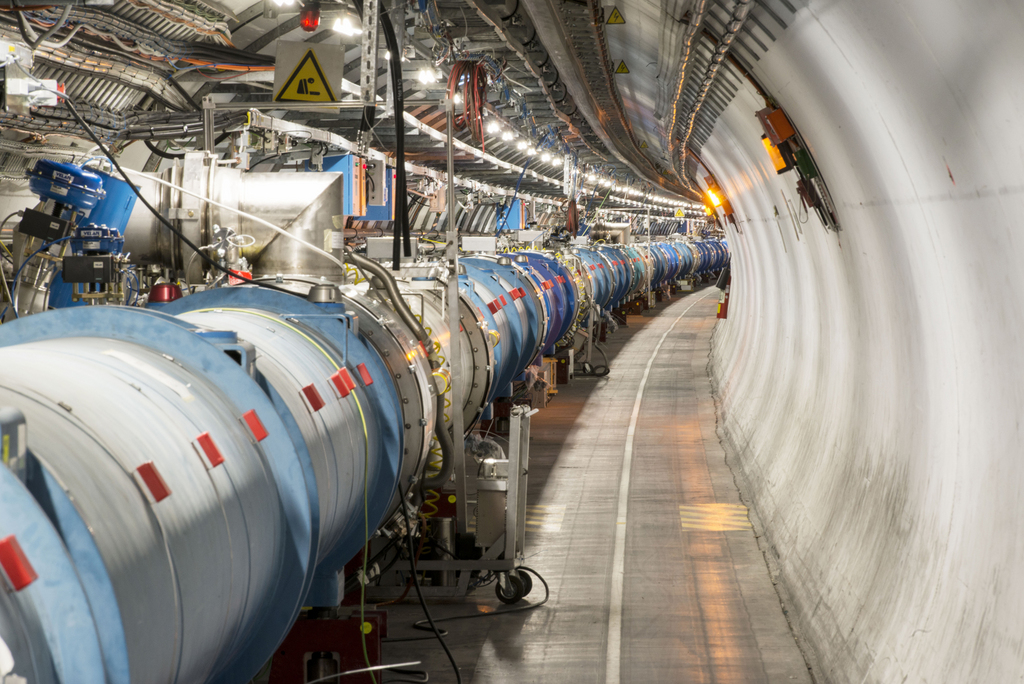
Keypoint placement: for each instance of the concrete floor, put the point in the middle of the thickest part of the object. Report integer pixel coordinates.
(697, 601)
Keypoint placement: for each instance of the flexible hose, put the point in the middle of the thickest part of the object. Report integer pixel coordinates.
(401, 306)
(444, 438)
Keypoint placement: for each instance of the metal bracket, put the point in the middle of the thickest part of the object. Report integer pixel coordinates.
(13, 440)
(368, 65)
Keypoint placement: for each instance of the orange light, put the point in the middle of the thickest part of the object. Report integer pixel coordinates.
(776, 156)
(716, 201)
(707, 210)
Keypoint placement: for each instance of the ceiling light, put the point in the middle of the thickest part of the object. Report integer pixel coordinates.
(532, 151)
(545, 157)
(493, 126)
(457, 99)
(521, 145)
(387, 54)
(426, 76)
(507, 135)
(345, 26)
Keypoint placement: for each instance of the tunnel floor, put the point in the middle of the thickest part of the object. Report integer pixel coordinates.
(698, 604)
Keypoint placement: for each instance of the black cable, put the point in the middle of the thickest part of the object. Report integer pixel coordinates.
(162, 154)
(518, 609)
(181, 236)
(416, 583)
(398, 97)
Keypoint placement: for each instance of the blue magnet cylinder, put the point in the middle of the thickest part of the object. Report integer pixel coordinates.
(242, 448)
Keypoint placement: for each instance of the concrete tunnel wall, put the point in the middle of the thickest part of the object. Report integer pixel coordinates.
(871, 384)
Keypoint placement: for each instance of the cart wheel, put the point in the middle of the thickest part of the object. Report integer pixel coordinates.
(527, 581)
(513, 593)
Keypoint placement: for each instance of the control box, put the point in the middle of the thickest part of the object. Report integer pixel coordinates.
(88, 269)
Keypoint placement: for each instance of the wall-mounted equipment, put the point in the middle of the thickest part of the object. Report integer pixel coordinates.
(353, 170)
(512, 216)
(778, 161)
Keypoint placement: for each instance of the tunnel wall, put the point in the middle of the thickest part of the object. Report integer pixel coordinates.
(871, 383)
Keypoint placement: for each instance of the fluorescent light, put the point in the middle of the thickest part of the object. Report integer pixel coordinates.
(426, 76)
(521, 145)
(545, 157)
(493, 126)
(507, 135)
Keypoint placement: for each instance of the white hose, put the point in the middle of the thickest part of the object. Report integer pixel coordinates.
(243, 214)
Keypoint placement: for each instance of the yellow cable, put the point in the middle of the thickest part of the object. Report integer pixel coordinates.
(366, 465)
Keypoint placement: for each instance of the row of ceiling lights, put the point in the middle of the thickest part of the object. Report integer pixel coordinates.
(345, 25)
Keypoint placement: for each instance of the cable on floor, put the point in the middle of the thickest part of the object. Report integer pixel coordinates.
(518, 609)
(419, 592)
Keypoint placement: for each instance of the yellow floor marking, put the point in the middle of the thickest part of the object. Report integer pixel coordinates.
(714, 517)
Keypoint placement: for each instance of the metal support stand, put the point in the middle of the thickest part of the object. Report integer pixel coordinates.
(455, 325)
(511, 544)
(209, 109)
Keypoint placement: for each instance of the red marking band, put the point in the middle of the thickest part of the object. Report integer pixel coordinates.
(15, 564)
(209, 447)
(316, 402)
(255, 425)
(151, 477)
(344, 382)
(493, 306)
(364, 373)
(502, 298)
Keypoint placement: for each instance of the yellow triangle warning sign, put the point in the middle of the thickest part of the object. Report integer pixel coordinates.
(622, 68)
(616, 17)
(306, 83)
(643, 144)
(680, 213)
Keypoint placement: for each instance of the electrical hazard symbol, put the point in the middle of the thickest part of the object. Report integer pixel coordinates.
(643, 144)
(622, 68)
(306, 83)
(616, 17)
(680, 213)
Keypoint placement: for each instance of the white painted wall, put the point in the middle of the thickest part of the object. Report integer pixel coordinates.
(873, 384)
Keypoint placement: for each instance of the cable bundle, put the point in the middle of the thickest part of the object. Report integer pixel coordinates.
(472, 77)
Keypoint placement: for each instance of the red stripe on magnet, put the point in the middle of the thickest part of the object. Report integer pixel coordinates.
(255, 425)
(15, 564)
(209, 447)
(154, 482)
(364, 373)
(316, 402)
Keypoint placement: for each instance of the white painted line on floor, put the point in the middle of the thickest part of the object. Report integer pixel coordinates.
(613, 660)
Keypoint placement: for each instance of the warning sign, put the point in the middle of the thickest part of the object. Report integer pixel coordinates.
(643, 144)
(616, 17)
(680, 213)
(306, 83)
(622, 68)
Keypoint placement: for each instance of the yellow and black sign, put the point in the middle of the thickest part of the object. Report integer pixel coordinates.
(680, 213)
(622, 68)
(643, 144)
(616, 17)
(307, 83)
